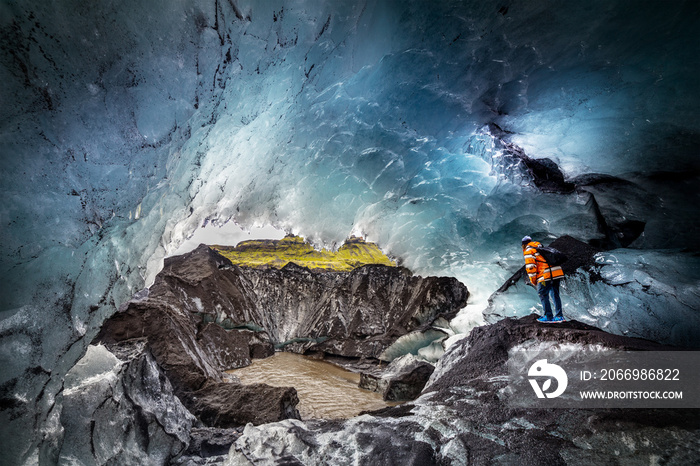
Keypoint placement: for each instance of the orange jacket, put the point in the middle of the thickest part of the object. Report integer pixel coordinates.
(538, 271)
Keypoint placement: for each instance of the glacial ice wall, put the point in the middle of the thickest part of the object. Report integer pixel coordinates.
(127, 125)
(651, 294)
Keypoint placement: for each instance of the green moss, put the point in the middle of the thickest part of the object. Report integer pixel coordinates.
(278, 253)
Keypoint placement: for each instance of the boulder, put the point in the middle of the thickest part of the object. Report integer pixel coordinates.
(208, 445)
(227, 405)
(118, 405)
(231, 349)
(402, 380)
(484, 353)
(171, 335)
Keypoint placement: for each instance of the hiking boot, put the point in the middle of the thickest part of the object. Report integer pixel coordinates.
(544, 319)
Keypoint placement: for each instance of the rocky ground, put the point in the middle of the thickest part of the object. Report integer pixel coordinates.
(152, 384)
(463, 417)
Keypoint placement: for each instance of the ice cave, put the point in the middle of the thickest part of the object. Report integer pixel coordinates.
(443, 131)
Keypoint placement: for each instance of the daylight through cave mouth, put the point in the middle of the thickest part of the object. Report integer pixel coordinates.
(442, 131)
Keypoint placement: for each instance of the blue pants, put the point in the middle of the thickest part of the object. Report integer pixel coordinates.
(544, 290)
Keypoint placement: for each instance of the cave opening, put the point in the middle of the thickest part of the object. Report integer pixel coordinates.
(442, 131)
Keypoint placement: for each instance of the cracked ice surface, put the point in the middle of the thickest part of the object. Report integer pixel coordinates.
(653, 294)
(126, 126)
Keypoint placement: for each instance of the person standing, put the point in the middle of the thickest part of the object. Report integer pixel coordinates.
(545, 278)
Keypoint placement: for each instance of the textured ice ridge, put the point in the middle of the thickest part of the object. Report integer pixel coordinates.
(126, 126)
(121, 409)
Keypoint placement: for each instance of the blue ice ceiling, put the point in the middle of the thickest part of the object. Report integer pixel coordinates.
(127, 124)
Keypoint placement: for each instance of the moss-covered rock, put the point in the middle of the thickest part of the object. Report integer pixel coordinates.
(355, 253)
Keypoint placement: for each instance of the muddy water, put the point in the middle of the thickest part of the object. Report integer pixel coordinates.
(325, 391)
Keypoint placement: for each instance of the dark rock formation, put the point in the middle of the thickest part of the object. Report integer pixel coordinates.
(620, 207)
(462, 417)
(402, 380)
(193, 355)
(189, 356)
(203, 316)
(544, 172)
(485, 351)
(231, 405)
(356, 314)
(231, 349)
(208, 445)
(114, 399)
(610, 197)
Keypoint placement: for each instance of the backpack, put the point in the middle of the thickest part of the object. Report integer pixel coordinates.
(554, 257)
